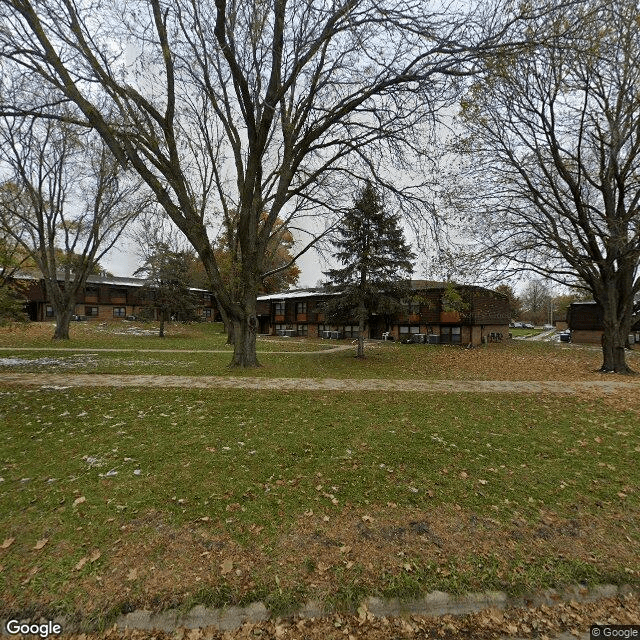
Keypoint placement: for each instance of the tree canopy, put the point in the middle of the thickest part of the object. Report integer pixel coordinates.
(64, 200)
(248, 106)
(553, 177)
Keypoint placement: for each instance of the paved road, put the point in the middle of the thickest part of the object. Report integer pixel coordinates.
(315, 384)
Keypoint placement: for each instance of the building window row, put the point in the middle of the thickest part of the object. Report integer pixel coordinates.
(406, 330)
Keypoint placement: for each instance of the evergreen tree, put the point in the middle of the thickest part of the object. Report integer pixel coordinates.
(166, 271)
(377, 263)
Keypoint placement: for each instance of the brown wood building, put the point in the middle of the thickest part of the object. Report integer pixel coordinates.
(108, 297)
(585, 320)
(484, 316)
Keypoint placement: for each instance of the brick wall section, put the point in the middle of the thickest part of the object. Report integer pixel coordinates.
(489, 308)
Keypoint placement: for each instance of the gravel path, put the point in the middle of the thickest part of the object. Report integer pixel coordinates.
(315, 384)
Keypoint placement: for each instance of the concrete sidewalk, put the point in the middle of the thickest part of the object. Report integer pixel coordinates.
(67, 380)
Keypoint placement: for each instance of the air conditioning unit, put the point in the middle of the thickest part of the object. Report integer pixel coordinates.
(326, 335)
(420, 338)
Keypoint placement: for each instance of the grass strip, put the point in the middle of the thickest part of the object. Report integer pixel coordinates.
(114, 499)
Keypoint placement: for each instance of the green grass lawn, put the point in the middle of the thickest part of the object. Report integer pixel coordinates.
(519, 333)
(160, 498)
(291, 358)
(120, 334)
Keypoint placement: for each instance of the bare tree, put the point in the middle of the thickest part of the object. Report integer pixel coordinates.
(536, 299)
(554, 146)
(65, 201)
(252, 106)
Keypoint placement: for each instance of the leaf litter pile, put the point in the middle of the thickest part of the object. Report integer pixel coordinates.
(125, 499)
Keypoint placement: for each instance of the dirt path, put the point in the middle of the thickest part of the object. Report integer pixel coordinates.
(315, 384)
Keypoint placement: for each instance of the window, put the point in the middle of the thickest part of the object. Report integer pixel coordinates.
(91, 292)
(278, 308)
(406, 330)
(301, 307)
(414, 307)
(48, 311)
(280, 327)
(303, 330)
(451, 335)
(207, 297)
(91, 311)
(118, 312)
(351, 331)
(118, 293)
(206, 313)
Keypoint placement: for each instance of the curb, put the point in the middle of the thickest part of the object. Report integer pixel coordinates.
(434, 604)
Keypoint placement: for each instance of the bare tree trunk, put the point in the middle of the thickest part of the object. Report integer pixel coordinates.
(616, 336)
(614, 342)
(162, 314)
(362, 315)
(245, 330)
(244, 347)
(63, 320)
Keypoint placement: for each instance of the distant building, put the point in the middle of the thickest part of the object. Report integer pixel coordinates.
(484, 316)
(585, 320)
(108, 297)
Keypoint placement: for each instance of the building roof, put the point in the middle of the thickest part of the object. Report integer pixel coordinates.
(416, 285)
(122, 281)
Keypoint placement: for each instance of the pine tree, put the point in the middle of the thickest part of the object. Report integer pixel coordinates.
(377, 263)
(166, 272)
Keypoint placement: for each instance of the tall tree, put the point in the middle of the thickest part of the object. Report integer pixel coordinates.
(377, 262)
(554, 142)
(252, 106)
(167, 283)
(536, 299)
(65, 200)
(12, 259)
(515, 304)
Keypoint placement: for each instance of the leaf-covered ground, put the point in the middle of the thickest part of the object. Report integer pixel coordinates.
(543, 623)
(124, 498)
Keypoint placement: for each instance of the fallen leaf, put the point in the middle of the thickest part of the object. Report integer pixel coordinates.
(132, 575)
(367, 518)
(31, 574)
(40, 544)
(94, 555)
(7, 543)
(345, 549)
(226, 566)
(81, 563)
(79, 500)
